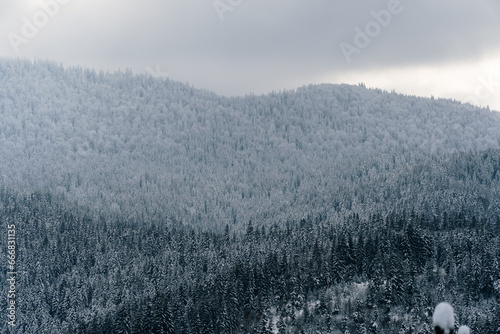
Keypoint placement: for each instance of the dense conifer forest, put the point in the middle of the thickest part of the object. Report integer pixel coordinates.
(143, 205)
(81, 272)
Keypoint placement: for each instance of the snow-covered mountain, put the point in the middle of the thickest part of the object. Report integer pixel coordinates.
(143, 205)
(140, 145)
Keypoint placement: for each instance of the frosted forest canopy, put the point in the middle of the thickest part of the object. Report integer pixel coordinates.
(144, 205)
(142, 146)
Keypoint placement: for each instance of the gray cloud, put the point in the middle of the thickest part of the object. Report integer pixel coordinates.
(260, 45)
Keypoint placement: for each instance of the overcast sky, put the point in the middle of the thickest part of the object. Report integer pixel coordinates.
(445, 48)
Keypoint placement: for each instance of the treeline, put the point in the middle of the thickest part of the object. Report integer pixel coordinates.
(87, 272)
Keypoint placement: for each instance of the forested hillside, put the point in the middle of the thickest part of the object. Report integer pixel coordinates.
(83, 272)
(144, 146)
(144, 205)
